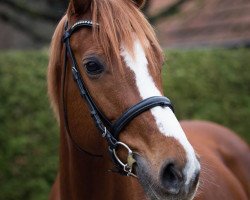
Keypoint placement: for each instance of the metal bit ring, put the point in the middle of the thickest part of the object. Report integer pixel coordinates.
(126, 167)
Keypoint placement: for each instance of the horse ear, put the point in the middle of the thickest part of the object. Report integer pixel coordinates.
(140, 3)
(79, 6)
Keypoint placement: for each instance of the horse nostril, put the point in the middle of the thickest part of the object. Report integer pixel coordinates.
(171, 178)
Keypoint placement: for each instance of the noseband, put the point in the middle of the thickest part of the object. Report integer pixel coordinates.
(109, 131)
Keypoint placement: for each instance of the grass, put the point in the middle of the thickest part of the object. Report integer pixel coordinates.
(207, 84)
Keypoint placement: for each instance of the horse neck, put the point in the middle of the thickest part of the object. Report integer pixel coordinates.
(83, 176)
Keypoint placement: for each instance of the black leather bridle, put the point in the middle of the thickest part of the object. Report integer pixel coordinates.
(109, 131)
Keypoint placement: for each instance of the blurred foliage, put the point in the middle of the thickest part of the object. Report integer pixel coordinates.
(28, 131)
(206, 84)
(211, 85)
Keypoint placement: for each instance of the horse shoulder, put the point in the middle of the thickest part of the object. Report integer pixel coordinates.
(225, 157)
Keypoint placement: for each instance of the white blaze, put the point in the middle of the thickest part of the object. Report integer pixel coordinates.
(164, 117)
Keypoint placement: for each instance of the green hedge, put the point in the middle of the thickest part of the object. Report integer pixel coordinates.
(28, 131)
(212, 85)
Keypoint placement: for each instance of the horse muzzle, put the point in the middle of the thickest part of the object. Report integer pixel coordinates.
(166, 183)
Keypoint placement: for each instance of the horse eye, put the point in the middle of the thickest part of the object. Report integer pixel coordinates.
(94, 68)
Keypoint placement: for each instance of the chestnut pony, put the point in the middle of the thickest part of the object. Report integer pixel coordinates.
(106, 63)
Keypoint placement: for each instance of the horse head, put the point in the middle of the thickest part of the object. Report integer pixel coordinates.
(120, 62)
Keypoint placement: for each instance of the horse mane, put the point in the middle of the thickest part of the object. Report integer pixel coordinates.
(55, 68)
(121, 23)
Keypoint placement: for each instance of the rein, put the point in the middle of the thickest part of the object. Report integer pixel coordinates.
(109, 131)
